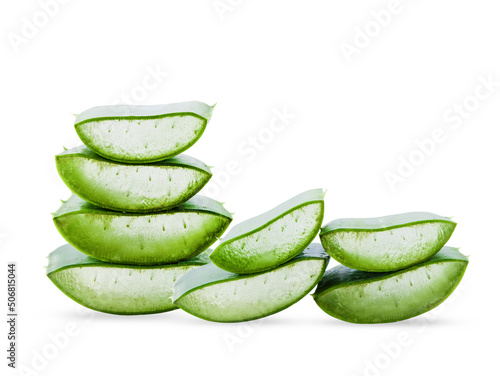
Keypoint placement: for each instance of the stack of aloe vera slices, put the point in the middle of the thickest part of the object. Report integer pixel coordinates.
(262, 266)
(134, 223)
(393, 268)
(139, 233)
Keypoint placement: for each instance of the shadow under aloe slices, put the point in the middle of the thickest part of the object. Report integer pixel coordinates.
(369, 298)
(115, 288)
(142, 239)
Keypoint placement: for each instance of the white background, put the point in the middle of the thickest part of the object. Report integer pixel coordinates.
(353, 122)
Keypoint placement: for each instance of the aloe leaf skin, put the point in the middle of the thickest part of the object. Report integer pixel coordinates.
(213, 294)
(114, 288)
(386, 243)
(133, 188)
(140, 133)
(142, 239)
(369, 298)
(273, 238)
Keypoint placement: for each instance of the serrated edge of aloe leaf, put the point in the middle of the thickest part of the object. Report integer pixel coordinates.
(313, 251)
(198, 203)
(112, 112)
(263, 220)
(371, 225)
(329, 280)
(181, 160)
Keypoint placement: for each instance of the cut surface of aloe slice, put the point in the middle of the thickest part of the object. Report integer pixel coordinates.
(271, 239)
(213, 294)
(386, 243)
(368, 298)
(133, 188)
(142, 239)
(138, 133)
(115, 288)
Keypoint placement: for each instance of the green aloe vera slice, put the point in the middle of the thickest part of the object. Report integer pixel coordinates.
(133, 188)
(115, 288)
(142, 239)
(271, 239)
(386, 243)
(368, 298)
(139, 134)
(213, 294)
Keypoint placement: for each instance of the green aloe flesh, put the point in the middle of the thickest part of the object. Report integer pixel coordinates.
(139, 134)
(142, 239)
(271, 239)
(369, 298)
(133, 188)
(386, 243)
(115, 288)
(213, 294)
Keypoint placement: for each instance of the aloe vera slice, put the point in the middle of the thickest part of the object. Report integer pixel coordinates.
(134, 188)
(368, 298)
(115, 288)
(213, 294)
(139, 134)
(271, 239)
(386, 243)
(142, 239)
